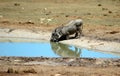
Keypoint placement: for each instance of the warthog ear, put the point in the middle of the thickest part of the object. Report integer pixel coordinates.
(79, 24)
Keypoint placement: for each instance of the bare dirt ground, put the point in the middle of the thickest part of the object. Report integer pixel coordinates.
(22, 66)
(101, 30)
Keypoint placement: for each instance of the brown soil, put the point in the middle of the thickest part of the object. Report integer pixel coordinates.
(22, 66)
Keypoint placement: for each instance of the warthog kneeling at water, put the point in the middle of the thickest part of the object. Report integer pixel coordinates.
(63, 32)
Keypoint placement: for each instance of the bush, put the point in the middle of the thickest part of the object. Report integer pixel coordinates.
(10, 70)
(29, 71)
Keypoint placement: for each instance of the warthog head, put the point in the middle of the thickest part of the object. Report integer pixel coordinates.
(54, 37)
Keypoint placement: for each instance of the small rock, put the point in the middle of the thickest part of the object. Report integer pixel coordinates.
(99, 4)
(105, 15)
(112, 32)
(17, 60)
(16, 4)
(1, 16)
(66, 15)
(22, 8)
(104, 9)
(5, 22)
(88, 13)
(109, 11)
(101, 44)
(29, 22)
(57, 75)
(20, 22)
(71, 60)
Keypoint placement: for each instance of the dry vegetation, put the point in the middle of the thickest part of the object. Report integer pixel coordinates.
(78, 67)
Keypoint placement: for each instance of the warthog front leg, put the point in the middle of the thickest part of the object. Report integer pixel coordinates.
(78, 33)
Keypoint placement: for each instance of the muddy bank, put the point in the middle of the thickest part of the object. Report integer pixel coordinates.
(93, 44)
(66, 61)
(25, 35)
(34, 66)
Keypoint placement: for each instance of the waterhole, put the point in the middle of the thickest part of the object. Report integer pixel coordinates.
(44, 49)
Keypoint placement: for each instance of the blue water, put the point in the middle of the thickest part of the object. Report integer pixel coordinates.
(30, 49)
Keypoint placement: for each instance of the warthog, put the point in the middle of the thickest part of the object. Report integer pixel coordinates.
(63, 32)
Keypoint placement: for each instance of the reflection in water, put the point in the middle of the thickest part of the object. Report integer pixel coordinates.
(29, 49)
(65, 50)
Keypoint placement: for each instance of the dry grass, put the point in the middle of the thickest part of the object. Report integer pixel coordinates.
(18, 71)
(94, 12)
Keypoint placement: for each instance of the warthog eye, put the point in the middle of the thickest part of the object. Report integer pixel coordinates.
(53, 33)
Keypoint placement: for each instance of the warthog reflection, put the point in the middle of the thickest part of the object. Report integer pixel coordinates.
(64, 50)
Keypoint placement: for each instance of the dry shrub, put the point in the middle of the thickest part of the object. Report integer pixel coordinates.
(29, 71)
(99, 4)
(105, 14)
(112, 32)
(11, 70)
(16, 4)
(109, 11)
